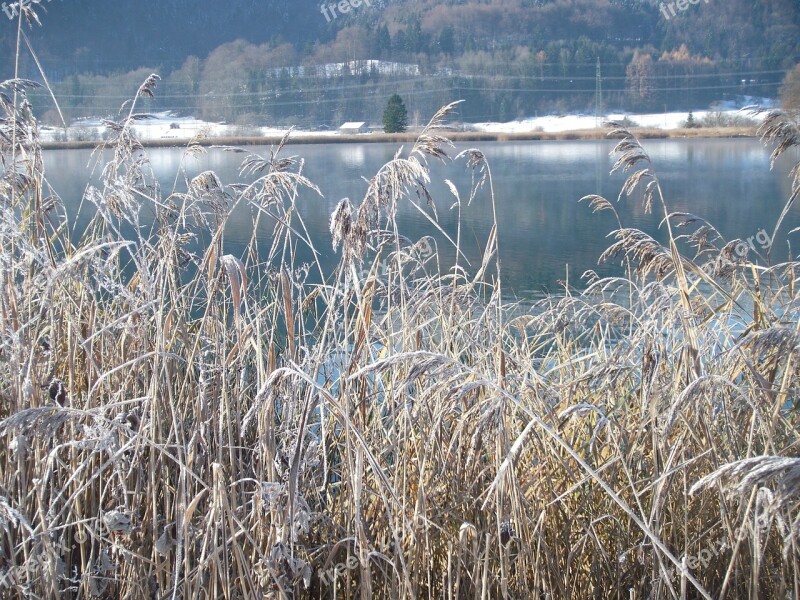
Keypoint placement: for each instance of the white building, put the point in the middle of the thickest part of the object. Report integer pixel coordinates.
(353, 67)
(354, 127)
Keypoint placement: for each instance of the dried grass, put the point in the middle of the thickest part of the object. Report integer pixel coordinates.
(175, 424)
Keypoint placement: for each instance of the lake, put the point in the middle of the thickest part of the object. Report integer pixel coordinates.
(543, 229)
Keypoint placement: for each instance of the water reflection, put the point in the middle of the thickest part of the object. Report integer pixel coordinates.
(542, 227)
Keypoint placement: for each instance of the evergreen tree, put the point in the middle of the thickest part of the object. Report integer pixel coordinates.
(395, 117)
(383, 41)
(447, 40)
(415, 38)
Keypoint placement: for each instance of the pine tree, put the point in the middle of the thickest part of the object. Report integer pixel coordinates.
(447, 40)
(395, 117)
(383, 41)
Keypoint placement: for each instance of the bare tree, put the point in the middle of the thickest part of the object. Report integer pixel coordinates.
(790, 93)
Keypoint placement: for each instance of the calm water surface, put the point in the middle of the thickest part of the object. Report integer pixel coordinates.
(543, 229)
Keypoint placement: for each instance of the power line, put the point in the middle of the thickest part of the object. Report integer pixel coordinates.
(374, 84)
(598, 93)
(588, 64)
(453, 92)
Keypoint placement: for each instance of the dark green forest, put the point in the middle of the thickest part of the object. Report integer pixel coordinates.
(279, 63)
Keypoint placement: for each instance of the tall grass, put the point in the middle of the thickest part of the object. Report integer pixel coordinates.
(195, 424)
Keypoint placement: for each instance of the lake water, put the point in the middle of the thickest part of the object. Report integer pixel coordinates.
(543, 229)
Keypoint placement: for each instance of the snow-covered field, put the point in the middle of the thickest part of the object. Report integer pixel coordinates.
(166, 127)
(669, 120)
(182, 129)
(554, 124)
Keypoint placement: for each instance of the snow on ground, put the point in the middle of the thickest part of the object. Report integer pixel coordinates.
(165, 126)
(666, 120)
(555, 124)
(168, 127)
(353, 67)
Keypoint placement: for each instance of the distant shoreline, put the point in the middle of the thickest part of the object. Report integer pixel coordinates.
(454, 136)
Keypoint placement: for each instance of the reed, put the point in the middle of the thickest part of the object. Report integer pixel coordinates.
(176, 423)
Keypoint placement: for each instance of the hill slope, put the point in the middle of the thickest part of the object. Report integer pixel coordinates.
(254, 60)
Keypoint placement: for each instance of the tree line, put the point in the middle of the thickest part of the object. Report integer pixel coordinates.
(506, 58)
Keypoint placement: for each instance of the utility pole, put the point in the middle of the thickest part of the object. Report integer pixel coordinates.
(598, 93)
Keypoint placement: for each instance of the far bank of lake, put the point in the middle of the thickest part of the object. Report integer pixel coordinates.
(410, 136)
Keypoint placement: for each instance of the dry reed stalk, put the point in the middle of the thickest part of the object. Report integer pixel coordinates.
(176, 421)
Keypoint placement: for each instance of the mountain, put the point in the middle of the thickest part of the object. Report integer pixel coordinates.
(251, 60)
(103, 36)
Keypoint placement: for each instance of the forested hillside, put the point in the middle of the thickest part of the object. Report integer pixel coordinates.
(263, 60)
(125, 34)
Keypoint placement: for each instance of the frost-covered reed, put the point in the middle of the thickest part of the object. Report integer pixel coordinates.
(183, 423)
